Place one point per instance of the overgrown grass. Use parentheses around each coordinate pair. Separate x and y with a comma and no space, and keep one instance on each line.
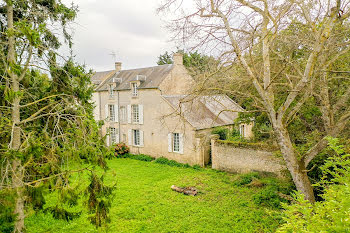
(144,202)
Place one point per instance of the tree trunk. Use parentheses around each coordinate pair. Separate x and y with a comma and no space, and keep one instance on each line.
(15,144)
(296,167)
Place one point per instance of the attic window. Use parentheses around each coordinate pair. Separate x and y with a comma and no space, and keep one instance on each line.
(134,89)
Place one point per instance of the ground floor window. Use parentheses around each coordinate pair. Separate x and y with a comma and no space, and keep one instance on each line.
(176,142)
(113,133)
(136,137)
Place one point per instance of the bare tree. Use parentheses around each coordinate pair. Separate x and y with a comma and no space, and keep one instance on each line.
(260,39)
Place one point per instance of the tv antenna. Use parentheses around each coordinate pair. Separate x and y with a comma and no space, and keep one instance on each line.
(114,56)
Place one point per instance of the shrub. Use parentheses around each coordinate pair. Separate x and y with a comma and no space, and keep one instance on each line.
(332,214)
(143,157)
(121,149)
(246,178)
(269,197)
(222,132)
(166,161)
(140,157)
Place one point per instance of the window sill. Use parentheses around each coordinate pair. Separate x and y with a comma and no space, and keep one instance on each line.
(138,146)
(176,152)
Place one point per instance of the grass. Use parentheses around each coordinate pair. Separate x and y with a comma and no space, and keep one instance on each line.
(144,202)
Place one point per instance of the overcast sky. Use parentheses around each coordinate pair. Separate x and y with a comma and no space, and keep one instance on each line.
(129,28)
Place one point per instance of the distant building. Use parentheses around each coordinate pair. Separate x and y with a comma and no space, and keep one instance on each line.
(149,110)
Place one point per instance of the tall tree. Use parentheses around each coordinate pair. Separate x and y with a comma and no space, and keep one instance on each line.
(45,122)
(282,54)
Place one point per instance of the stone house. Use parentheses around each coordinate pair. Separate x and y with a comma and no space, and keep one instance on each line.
(149,110)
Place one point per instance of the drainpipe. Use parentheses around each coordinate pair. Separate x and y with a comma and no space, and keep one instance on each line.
(118,106)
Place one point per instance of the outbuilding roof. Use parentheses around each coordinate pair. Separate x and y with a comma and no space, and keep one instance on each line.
(205,111)
(151,77)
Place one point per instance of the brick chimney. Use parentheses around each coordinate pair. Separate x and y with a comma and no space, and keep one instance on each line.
(178,59)
(118,66)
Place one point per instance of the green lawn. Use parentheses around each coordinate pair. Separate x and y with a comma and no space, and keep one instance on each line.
(144,202)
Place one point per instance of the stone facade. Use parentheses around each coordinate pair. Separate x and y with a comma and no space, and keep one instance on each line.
(229,157)
(161,128)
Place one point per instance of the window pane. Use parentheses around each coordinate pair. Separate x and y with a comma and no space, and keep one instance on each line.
(136,137)
(111,112)
(176,142)
(134,89)
(113,133)
(135,113)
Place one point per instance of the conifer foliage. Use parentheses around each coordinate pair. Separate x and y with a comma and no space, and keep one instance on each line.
(47,130)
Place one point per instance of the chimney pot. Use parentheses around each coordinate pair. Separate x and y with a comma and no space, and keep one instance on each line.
(118,66)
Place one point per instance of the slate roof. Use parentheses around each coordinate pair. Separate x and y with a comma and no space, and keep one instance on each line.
(99,77)
(206,111)
(154,76)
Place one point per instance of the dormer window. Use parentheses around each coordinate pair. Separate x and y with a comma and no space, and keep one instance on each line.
(134,89)
(111,91)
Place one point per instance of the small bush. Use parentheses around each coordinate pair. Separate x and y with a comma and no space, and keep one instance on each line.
(222,132)
(166,161)
(246,178)
(269,197)
(197,167)
(121,149)
(143,157)
(140,157)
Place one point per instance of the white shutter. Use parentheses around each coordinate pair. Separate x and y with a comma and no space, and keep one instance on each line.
(116,115)
(130,137)
(106,112)
(170,143)
(141,114)
(141,138)
(129,114)
(181,144)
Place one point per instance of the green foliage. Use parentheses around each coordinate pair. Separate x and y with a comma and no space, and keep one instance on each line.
(222,132)
(165,58)
(7,207)
(246,178)
(100,200)
(121,149)
(193,61)
(61,213)
(332,214)
(140,157)
(57,125)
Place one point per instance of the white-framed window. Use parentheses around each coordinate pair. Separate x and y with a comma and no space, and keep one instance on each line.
(175,143)
(111,112)
(135,114)
(136,137)
(113,134)
(242,130)
(122,113)
(134,89)
(111,91)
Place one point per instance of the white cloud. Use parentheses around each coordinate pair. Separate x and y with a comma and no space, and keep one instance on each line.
(131,29)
